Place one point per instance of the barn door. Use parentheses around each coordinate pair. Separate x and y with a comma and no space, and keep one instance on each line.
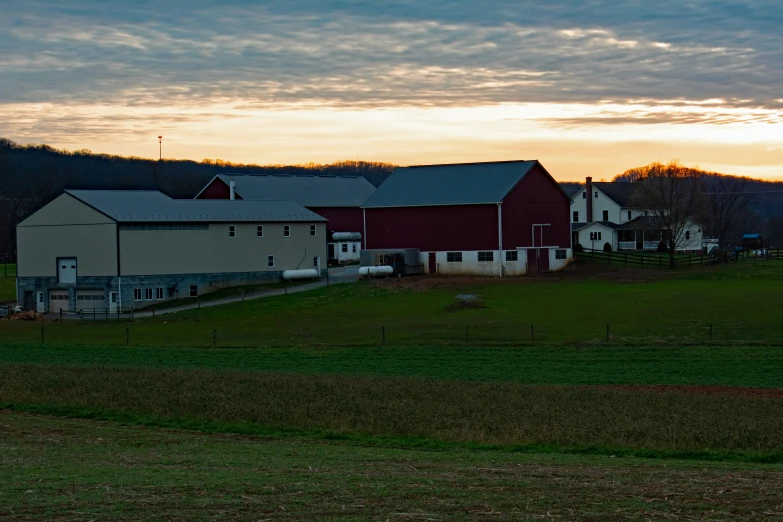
(543,260)
(112,302)
(433,264)
(532,260)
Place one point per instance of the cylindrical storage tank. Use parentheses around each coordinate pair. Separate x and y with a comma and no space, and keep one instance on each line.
(375,270)
(292,275)
(347,236)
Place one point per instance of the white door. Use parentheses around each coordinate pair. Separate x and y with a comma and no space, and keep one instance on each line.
(66,269)
(39,303)
(112,301)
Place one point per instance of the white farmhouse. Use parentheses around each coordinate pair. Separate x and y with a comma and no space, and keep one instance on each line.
(602,213)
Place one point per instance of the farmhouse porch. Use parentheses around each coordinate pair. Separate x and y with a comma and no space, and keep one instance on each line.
(639,234)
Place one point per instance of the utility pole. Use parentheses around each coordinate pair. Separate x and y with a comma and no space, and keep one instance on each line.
(160,148)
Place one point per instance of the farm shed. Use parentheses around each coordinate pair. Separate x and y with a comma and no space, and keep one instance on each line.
(125,249)
(337,198)
(496,218)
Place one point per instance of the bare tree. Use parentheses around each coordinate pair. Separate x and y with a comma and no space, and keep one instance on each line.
(727,203)
(673,195)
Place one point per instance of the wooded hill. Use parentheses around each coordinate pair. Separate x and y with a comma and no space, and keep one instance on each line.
(33,175)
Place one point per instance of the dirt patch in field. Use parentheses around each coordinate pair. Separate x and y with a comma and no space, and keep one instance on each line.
(766,393)
(576,272)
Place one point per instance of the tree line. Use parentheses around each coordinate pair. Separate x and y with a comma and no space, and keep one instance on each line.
(33,175)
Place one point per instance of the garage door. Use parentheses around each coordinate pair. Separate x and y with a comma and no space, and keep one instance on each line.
(58,301)
(66,270)
(88,299)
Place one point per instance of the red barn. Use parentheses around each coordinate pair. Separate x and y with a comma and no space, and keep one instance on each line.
(337,198)
(497,218)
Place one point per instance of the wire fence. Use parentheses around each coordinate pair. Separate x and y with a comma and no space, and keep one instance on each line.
(203,334)
(7,270)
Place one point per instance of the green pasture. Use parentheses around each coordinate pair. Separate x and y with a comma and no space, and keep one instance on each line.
(7,283)
(742,303)
(66,469)
(745,366)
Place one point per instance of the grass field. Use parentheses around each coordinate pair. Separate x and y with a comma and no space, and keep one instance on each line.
(742,302)
(7,283)
(299,411)
(53,468)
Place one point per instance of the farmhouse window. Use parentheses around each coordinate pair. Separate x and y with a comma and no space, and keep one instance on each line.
(560,254)
(159,293)
(596,194)
(286,230)
(193,291)
(454,257)
(270,261)
(354,248)
(687,234)
(584,195)
(486,257)
(312,230)
(137,294)
(576,216)
(259,230)
(629,215)
(512,255)
(148,294)
(606,215)
(232,231)
(344,247)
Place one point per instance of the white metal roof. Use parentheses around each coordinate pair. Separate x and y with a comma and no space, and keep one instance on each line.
(150,206)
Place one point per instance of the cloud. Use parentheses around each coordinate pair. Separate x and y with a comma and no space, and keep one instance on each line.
(359,54)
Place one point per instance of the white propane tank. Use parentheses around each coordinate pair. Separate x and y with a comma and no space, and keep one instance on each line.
(375,270)
(293,275)
(347,236)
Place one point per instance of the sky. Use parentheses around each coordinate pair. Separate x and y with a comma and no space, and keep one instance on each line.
(588,88)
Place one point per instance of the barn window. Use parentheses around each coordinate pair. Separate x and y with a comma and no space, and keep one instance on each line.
(286,230)
(584,195)
(232,231)
(486,257)
(512,255)
(596,194)
(454,257)
(193,291)
(148,294)
(312,230)
(159,293)
(354,248)
(344,247)
(576,216)
(606,215)
(270,261)
(687,234)
(560,254)
(137,294)
(629,215)
(259,230)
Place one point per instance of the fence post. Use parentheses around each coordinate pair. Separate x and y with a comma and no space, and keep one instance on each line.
(61,313)
(93,315)
(198,300)
(214,337)
(42,334)
(467,333)
(9,312)
(383,334)
(127,336)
